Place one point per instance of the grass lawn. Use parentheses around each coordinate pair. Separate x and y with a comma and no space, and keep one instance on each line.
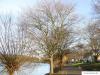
(77,64)
(88,66)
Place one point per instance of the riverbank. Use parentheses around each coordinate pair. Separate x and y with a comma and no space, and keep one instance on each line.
(69,70)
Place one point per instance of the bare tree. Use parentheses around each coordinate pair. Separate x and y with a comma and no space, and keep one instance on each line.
(52,23)
(93,34)
(96,7)
(14,46)
(93,30)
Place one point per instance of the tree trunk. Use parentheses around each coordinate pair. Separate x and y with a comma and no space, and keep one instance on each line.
(95,59)
(51,65)
(11,73)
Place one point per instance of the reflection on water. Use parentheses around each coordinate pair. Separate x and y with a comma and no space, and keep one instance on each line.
(39,69)
(42,69)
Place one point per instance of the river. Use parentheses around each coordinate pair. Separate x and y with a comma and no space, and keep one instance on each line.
(38,69)
(42,69)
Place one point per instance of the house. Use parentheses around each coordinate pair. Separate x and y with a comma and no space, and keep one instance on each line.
(98,58)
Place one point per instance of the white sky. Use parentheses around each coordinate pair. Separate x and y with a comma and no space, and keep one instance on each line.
(15,6)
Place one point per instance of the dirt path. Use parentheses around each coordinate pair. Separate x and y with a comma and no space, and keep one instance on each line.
(70,70)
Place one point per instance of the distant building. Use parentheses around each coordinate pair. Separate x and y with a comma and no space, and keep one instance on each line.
(98,58)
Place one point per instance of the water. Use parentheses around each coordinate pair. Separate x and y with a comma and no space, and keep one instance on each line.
(39,69)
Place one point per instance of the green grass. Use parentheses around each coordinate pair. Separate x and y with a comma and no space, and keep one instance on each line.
(88,66)
(77,64)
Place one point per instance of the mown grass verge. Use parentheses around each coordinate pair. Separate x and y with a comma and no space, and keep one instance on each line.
(88,66)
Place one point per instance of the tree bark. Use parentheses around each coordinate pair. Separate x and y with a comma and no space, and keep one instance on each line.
(11,73)
(95,58)
(51,65)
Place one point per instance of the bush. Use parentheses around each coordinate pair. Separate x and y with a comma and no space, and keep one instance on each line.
(91,67)
(88,66)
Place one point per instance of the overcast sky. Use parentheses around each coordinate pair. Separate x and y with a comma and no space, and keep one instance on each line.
(15,6)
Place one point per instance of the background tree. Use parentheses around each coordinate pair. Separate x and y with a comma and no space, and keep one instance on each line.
(93,35)
(93,30)
(96,8)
